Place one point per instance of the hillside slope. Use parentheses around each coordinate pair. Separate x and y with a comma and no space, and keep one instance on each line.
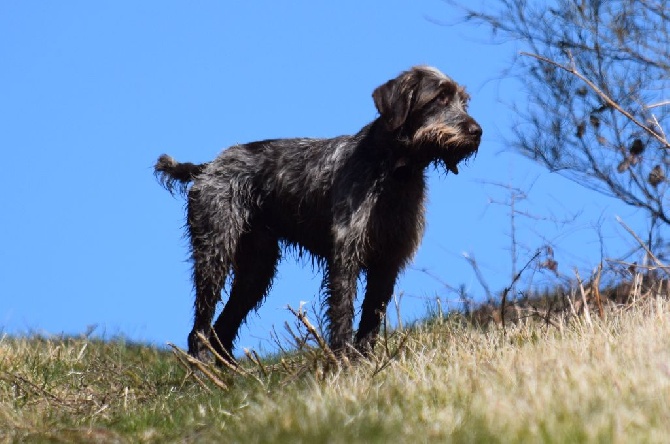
(607,380)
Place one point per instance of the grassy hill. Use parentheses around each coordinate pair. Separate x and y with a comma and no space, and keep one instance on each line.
(605,380)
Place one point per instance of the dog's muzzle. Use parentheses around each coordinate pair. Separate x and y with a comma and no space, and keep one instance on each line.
(472,136)
(474,130)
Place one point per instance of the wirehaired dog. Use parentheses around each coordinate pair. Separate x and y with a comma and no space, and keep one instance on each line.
(355,203)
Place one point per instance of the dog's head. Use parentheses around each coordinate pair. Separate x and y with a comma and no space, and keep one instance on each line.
(428,110)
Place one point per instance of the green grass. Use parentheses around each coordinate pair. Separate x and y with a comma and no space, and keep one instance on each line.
(603,381)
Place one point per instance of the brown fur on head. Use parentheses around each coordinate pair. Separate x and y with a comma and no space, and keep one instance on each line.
(429,110)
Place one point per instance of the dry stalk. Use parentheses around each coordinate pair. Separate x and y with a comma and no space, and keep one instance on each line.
(204,368)
(285,366)
(545,315)
(595,290)
(396,302)
(253,357)
(386,335)
(637,287)
(188,367)
(390,357)
(315,334)
(660,289)
(572,306)
(230,362)
(587,312)
(298,341)
(29,386)
(439,308)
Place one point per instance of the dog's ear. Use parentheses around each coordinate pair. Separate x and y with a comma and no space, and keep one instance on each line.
(393,101)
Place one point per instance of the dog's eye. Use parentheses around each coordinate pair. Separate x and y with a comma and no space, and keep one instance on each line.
(444,98)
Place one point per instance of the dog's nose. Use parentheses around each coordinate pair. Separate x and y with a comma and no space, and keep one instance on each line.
(474,129)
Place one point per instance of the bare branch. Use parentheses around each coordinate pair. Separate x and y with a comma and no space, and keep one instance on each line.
(572,70)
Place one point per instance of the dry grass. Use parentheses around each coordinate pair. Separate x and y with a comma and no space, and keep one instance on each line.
(605,381)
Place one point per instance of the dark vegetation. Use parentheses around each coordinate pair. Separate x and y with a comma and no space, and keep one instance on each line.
(594,76)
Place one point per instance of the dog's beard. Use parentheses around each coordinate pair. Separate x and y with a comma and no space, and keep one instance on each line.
(456,156)
(446,145)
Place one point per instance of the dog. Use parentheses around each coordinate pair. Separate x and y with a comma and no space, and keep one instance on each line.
(355,203)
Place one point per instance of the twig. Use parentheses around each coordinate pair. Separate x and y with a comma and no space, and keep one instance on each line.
(660,264)
(632,264)
(23,382)
(572,70)
(658,125)
(299,342)
(654,105)
(514,280)
(478,274)
(277,341)
(187,366)
(200,366)
(391,357)
(319,339)
(229,361)
(257,359)
(546,317)
(384,323)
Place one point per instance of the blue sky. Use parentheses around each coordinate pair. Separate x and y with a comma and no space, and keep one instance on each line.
(92,92)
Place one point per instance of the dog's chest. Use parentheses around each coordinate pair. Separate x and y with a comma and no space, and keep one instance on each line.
(388,221)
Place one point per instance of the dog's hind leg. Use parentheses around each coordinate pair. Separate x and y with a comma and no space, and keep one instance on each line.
(211,262)
(253,269)
(209,276)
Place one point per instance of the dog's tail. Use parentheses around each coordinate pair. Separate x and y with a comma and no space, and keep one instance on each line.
(175,176)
